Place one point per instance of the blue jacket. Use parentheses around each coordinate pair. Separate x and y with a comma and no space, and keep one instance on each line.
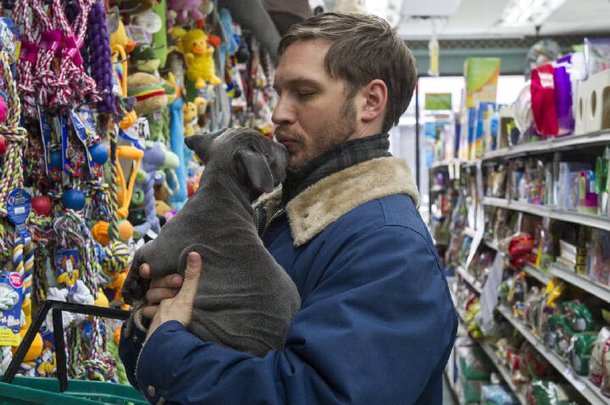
(376,324)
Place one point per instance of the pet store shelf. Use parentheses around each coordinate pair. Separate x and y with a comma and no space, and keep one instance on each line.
(586,388)
(470,232)
(535,272)
(600,291)
(542,211)
(504,372)
(469,278)
(552,145)
(489,351)
(445,163)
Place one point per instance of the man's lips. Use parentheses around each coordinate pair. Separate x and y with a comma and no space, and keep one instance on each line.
(286,141)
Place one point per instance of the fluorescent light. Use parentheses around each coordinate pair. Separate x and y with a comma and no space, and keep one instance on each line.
(528,12)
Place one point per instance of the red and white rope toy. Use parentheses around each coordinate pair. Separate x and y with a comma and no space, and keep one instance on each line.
(80,86)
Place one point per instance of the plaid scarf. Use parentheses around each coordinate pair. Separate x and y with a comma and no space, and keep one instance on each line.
(332,161)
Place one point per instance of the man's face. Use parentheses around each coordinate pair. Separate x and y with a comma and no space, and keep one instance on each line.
(313,113)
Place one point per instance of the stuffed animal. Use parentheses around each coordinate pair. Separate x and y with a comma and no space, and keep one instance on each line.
(184,11)
(189,117)
(199,59)
(118,33)
(145,60)
(148,91)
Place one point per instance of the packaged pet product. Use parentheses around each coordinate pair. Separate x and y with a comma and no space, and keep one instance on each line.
(481,75)
(580,350)
(484,113)
(597,55)
(496,395)
(10,308)
(599,256)
(543,101)
(563,95)
(597,363)
(543,392)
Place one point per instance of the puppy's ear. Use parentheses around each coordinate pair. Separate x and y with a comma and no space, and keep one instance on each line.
(200,144)
(253,166)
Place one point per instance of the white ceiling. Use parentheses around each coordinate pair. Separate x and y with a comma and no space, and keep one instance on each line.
(479,18)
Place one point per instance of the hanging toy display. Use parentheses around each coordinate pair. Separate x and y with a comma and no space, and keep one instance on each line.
(95,101)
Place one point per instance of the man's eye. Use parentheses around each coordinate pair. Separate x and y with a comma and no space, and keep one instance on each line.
(305,94)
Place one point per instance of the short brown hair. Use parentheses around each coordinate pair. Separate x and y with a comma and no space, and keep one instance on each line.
(363,48)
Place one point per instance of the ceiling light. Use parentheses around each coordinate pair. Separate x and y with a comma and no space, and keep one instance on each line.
(528,12)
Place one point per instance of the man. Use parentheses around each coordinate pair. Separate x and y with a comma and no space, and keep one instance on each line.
(377,323)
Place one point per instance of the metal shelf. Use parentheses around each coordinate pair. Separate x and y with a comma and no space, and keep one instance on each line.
(445,163)
(552,145)
(586,388)
(548,212)
(535,272)
(599,290)
(469,278)
(504,372)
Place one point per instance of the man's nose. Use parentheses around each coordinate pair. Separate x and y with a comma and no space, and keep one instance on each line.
(283,112)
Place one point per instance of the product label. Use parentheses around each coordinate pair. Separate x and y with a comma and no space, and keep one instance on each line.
(11,300)
(67,266)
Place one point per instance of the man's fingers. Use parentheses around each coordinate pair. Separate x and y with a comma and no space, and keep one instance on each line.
(149,311)
(191,278)
(169,281)
(156,295)
(144,270)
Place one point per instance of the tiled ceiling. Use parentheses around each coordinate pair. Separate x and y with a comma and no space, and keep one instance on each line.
(479,19)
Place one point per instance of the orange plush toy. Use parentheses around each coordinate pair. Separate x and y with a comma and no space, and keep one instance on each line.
(199,58)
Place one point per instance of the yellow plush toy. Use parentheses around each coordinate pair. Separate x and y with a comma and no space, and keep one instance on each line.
(199,59)
(189,116)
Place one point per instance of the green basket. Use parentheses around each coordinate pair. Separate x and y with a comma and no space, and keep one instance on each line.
(16,389)
(37,390)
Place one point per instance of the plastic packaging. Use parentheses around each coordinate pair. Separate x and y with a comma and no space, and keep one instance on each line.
(543,100)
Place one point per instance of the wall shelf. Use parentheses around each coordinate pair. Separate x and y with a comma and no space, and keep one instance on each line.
(551,145)
(548,212)
(586,388)
(600,291)
(469,278)
(504,372)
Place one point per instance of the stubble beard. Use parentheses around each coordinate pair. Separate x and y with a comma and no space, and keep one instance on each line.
(331,134)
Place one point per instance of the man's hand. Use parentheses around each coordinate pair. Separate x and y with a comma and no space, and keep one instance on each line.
(180,307)
(160,289)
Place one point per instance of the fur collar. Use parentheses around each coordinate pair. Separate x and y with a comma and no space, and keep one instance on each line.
(318,206)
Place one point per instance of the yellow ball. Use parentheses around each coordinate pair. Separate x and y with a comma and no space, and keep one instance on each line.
(35,349)
(101,300)
(125,231)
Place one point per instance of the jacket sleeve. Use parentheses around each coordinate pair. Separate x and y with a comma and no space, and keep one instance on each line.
(377,327)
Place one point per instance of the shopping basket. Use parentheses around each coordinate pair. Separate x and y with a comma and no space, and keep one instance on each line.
(36,390)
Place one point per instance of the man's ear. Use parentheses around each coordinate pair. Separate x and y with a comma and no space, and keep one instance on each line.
(375,95)
(253,166)
(200,144)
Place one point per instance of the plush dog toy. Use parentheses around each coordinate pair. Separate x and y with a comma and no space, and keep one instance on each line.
(245,299)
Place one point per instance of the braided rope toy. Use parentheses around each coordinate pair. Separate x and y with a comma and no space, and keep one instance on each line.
(100,59)
(12,173)
(50,37)
(71,71)
(27,57)
(72,230)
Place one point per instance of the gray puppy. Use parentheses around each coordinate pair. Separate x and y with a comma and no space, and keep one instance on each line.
(245,299)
